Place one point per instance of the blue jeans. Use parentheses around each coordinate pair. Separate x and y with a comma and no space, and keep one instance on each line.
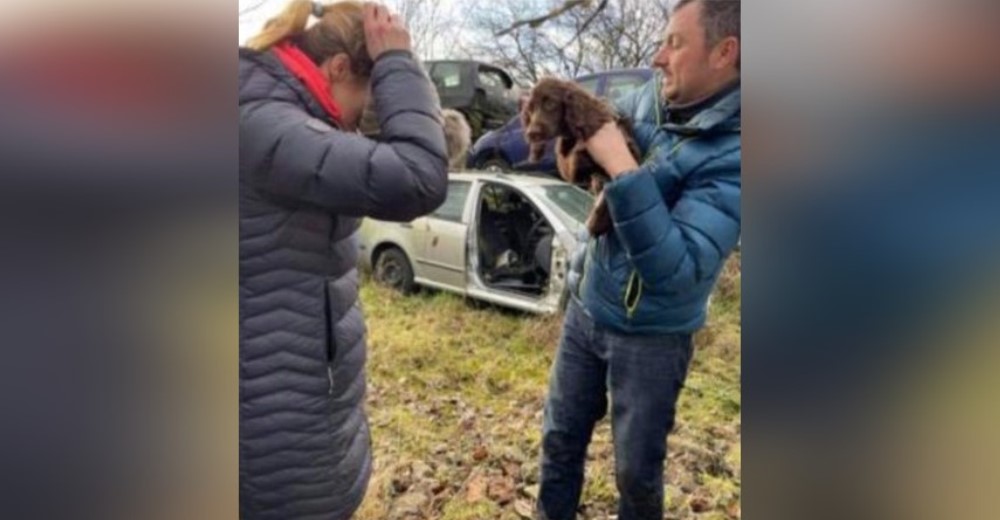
(644,376)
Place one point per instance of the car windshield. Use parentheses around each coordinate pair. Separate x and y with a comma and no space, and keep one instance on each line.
(573,204)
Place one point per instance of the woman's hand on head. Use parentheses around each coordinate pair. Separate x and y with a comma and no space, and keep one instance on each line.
(384,31)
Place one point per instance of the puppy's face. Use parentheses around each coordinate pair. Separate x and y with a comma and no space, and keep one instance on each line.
(543,114)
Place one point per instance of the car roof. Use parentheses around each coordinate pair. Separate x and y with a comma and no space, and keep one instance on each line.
(465,62)
(524,179)
(647,72)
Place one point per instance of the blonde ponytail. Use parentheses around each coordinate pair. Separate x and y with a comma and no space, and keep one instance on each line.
(340,29)
(289,23)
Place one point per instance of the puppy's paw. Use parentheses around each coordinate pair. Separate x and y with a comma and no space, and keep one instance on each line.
(599,219)
(567,167)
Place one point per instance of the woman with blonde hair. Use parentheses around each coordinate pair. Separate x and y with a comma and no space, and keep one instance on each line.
(307,177)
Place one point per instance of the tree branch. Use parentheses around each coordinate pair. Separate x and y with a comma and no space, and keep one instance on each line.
(583,28)
(534,23)
(253,7)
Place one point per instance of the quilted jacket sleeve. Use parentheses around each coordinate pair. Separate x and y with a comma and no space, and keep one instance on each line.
(675,248)
(399,178)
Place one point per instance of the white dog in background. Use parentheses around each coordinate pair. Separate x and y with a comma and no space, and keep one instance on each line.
(458,137)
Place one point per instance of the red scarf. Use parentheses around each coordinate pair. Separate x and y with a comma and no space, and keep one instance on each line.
(303,68)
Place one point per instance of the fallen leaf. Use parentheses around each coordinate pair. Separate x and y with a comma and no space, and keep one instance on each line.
(524,509)
(408,505)
(468,421)
(480,453)
(475,489)
(698,505)
(501,490)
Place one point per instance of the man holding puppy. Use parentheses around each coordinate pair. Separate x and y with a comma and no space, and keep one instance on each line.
(639,292)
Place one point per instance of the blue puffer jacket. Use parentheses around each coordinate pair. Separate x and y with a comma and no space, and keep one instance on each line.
(304,448)
(676,220)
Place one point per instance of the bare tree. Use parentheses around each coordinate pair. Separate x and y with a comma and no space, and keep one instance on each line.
(626,34)
(248,7)
(427,20)
(555,12)
(254,13)
(527,53)
(589,37)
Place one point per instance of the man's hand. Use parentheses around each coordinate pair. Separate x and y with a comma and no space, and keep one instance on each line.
(384,31)
(610,150)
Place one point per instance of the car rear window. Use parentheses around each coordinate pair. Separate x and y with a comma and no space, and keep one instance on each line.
(492,79)
(620,85)
(590,85)
(447,75)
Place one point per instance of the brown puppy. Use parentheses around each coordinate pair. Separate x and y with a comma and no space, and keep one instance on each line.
(566,112)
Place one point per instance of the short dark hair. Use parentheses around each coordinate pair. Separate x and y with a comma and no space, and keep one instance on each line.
(721,18)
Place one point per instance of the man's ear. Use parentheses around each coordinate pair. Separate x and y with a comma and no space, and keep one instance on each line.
(727,53)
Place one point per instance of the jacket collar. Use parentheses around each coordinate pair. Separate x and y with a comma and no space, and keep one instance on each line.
(723,117)
(263,77)
(304,70)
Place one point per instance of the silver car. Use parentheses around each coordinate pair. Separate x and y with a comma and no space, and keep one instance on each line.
(500,238)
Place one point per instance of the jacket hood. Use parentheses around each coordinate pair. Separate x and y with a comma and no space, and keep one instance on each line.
(723,116)
(262,77)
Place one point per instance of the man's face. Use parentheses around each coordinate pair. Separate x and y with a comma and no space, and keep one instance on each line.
(691,69)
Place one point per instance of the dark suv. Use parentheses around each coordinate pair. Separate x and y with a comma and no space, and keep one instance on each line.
(486,95)
(505,149)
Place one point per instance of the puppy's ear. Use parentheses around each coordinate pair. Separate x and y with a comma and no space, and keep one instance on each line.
(569,97)
(526,114)
(585,114)
(573,112)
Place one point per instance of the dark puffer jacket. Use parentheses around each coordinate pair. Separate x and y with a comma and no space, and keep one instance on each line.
(304,440)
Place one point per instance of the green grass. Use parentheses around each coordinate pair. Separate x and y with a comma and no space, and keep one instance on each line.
(455,400)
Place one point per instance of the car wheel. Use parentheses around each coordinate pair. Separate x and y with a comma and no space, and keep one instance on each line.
(495,164)
(393,269)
